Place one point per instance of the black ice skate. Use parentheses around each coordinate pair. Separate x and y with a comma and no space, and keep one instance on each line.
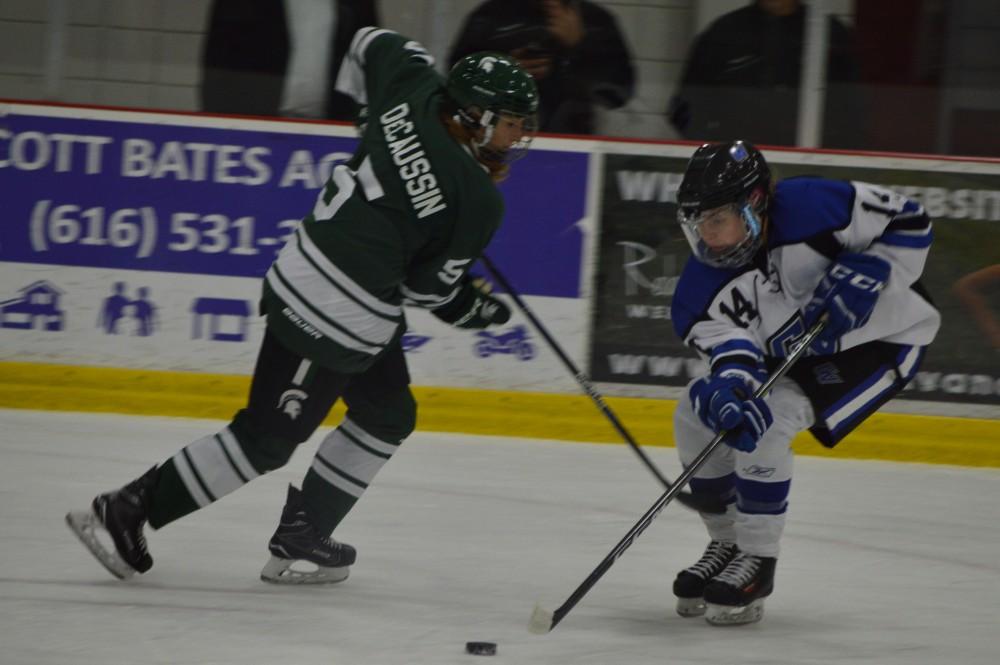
(689,586)
(122,514)
(736,595)
(296,540)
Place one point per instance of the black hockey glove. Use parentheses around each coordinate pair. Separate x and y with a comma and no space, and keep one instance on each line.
(848,291)
(473,306)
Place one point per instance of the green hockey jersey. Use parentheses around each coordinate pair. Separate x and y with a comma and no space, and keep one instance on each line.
(400,223)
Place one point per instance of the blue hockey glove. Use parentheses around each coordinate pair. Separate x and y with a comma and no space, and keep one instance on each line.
(711,395)
(754,420)
(848,292)
(724,403)
(473,306)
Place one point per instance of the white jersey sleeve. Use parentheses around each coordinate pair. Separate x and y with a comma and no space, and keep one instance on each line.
(892,227)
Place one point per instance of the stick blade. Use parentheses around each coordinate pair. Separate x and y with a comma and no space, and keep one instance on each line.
(541,620)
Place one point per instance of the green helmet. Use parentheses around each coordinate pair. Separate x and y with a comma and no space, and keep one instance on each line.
(485,87)
(492,82)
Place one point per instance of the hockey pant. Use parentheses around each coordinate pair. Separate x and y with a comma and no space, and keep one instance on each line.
(289,398)
(849,386)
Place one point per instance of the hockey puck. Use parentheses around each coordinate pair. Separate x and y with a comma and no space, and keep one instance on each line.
(481,648)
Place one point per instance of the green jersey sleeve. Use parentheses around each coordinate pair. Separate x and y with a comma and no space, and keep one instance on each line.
(381,63)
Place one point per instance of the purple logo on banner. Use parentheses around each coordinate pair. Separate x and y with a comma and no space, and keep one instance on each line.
(511,342)
(141,311)
(212,315)
(412,342)
(36,307)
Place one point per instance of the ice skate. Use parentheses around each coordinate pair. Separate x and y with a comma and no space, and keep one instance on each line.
(122,514)
(300,554)
(689,585)
(736,595)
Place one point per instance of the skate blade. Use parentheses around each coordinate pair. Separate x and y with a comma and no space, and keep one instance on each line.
(691,607)
(281,571)
(85,524)
(730,615)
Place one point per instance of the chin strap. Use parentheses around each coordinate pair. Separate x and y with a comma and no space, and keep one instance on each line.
(484,122)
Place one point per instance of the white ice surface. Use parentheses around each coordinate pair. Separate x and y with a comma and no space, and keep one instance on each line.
(460,536)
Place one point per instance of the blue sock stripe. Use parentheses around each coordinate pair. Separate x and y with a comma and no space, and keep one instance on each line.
(724,488)
(751,507)
(759,498)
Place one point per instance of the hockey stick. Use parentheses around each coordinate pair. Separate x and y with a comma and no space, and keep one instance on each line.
(699,503)
(543,620)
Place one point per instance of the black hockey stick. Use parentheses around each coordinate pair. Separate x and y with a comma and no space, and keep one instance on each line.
(543,620)
(695,502)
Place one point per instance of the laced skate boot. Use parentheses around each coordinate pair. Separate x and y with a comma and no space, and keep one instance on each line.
(736,595)
(122,514)
(297,540)
(689,586)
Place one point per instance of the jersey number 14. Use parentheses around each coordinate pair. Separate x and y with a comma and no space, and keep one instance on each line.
(741,312)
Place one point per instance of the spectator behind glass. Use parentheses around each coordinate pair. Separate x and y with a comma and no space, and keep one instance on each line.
(573,49)
(280,57)
(743,73)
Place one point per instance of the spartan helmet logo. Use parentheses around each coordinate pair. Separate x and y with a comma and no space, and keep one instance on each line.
(290,402)
(486,64)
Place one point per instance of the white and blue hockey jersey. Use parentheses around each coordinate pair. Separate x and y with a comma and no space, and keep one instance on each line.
(746,315)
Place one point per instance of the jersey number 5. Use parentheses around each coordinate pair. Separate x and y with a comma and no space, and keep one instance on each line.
(452,270)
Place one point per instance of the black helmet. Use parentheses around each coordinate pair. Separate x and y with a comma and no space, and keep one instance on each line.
(725,174)
(486,86)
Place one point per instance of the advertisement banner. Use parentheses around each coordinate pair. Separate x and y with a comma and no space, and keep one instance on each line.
(641,252)
(140,240)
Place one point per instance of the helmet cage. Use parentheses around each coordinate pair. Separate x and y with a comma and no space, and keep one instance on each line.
(729,257)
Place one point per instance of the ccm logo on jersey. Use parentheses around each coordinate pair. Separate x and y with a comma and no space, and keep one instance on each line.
(861,282)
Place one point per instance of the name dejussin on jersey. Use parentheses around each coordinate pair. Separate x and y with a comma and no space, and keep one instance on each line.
(414,167)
